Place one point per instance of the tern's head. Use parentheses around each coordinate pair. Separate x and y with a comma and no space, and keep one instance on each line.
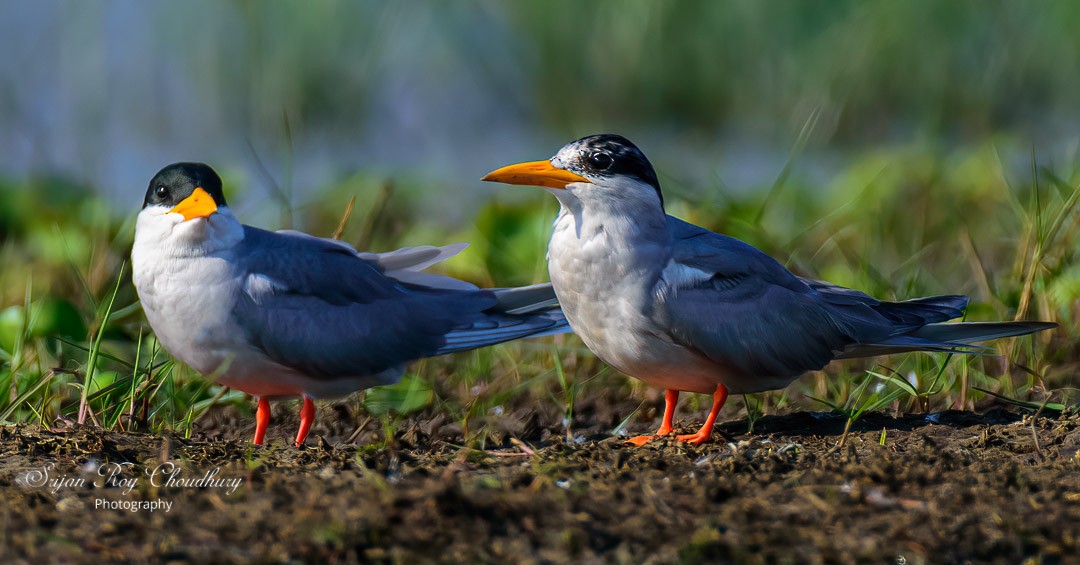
(603,168)
(185,208)
(192,190)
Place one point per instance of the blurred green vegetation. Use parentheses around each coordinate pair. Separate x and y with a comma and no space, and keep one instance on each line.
(434,90)
(879,68)
(901,148)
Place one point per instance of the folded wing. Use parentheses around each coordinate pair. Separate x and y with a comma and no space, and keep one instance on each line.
(321,308)
(743,310)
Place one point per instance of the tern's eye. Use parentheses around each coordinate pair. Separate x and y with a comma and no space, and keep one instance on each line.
(160,192)
(600,160)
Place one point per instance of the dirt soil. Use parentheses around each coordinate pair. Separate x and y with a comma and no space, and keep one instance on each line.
(952,487)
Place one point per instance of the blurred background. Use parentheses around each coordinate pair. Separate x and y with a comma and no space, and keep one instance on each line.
(300,95)
(903,148)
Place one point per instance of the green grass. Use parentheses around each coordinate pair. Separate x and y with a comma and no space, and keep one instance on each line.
(897,223)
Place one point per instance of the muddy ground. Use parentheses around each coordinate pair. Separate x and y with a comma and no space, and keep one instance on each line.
(953,487)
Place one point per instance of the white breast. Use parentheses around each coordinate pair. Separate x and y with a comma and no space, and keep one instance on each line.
(188,284)
(607,279)
(603,283)
(188,301)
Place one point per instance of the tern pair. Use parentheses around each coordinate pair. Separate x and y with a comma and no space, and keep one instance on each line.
(286,314)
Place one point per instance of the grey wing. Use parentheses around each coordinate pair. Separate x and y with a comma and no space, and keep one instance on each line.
(404,265)
(740,308)
(318,307)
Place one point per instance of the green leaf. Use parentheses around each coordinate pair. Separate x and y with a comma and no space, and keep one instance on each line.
(1033,406)
(408,395)
(11,326)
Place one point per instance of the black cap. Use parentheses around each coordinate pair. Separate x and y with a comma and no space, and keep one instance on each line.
(177,181)
(608,154)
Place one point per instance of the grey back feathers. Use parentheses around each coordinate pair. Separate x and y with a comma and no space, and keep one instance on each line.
(748,313)
(320,308)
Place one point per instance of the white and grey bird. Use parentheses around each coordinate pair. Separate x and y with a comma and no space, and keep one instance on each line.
(286,314)
(686,309)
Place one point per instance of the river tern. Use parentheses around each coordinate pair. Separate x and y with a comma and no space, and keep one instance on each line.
(686,309)
(286,314)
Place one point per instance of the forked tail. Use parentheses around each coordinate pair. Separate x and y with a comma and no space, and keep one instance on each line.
(528,311)
(958,337)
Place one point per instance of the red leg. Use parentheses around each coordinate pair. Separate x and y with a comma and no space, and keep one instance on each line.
(719,397)
(671,398)
(307,416)
(262,420)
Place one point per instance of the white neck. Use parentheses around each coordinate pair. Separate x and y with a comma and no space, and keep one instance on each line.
(159,233)
(625,214)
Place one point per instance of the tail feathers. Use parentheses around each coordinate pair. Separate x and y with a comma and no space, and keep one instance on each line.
(559,326)
(526,299)
(405,265)
(911,314)
(905,316)
(947,338)
(906,344)
(413,258)
(499,328)
(429,281)
(527,311)
(404,259)
(971,332)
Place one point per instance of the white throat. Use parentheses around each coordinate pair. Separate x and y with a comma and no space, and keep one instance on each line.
(160,233)
(625,211)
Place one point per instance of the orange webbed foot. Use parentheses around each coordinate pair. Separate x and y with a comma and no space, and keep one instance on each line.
(671,397)
(705,432)
(696,439)
(642,440)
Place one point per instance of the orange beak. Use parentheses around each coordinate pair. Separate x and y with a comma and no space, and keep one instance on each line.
(199,205)
(535,173)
